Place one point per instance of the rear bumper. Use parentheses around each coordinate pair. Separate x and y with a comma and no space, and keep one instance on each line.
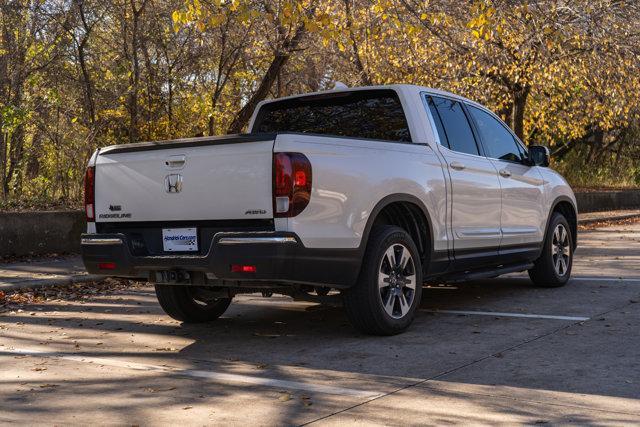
(278,257)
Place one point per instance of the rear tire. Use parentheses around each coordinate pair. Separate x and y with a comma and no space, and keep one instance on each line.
(386,296)
(180,303)
(553,268)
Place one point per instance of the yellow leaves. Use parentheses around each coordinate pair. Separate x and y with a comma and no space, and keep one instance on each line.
(377,8)
(312,26)
(218,18)
(483,24)
(287,11)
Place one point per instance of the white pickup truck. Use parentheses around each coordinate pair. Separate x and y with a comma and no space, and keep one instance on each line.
(362,193)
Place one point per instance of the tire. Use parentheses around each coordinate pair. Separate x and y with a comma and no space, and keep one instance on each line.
(553,268)
(378,310)
(180,303)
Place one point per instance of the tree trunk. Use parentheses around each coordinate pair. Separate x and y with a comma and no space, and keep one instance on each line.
(595,146)
(520,96)
(3,165)
(364,77)
(134,79)
(280,59)
(86,78)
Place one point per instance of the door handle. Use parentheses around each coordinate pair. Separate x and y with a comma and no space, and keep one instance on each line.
(175,162)
(457,166)
(505,173)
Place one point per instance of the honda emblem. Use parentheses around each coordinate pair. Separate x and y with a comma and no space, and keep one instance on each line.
(173,183)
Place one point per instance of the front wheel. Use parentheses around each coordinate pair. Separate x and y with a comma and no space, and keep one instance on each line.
(186,304)
(389,287)
(553,268)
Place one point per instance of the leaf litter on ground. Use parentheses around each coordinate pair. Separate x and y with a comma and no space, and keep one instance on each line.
(20,299)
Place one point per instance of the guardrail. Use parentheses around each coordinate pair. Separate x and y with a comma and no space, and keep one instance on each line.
(600,201)
(36,233)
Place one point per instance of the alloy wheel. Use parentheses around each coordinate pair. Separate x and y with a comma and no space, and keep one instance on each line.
(560,250)
(397,281)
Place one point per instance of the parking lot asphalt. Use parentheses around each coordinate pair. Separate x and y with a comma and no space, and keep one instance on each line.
(495,351)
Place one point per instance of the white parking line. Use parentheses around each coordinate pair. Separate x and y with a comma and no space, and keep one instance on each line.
(499,314)
(218,377)
(608,279)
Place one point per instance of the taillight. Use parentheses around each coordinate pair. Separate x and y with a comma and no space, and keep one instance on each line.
(89,193)
(238,268)
(107,266)
(291,184)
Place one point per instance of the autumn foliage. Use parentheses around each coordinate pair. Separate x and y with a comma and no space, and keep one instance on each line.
(80,74)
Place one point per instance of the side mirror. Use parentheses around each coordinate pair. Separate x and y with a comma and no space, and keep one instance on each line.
(539,155)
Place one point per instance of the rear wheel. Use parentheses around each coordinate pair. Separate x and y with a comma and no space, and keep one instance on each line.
(389,287)
(553,268)
(186,304)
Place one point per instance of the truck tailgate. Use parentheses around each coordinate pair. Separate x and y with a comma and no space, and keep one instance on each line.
(205,179)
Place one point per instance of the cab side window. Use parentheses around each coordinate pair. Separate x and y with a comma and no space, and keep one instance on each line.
(452,122)
(498,141)
(436,119)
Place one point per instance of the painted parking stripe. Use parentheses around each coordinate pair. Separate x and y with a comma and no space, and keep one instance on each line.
(500,314)
(608,279)
(218,377)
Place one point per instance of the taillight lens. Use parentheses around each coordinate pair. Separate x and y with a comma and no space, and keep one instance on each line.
(291,184)
(238,268)
(107,266)
(89,193)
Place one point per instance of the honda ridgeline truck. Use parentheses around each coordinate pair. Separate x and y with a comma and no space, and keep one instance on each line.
(362,194)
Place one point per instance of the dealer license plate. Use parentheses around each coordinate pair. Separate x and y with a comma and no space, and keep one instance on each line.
(180,239)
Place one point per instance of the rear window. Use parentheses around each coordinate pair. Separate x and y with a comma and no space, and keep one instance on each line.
(375,114)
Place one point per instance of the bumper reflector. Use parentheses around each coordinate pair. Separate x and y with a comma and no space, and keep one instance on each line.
(107,266)
(237,268)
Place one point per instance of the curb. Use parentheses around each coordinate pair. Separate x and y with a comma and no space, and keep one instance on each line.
(608,218)
(58,281)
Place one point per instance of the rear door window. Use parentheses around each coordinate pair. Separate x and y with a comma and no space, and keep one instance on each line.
(370,114)
(436,119)
(456,128)
(498,141)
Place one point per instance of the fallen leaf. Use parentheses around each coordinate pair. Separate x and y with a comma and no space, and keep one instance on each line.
(284,397)
(158,390)
(259,334)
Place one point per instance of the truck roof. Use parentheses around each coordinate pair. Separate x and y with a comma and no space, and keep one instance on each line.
(403,88)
